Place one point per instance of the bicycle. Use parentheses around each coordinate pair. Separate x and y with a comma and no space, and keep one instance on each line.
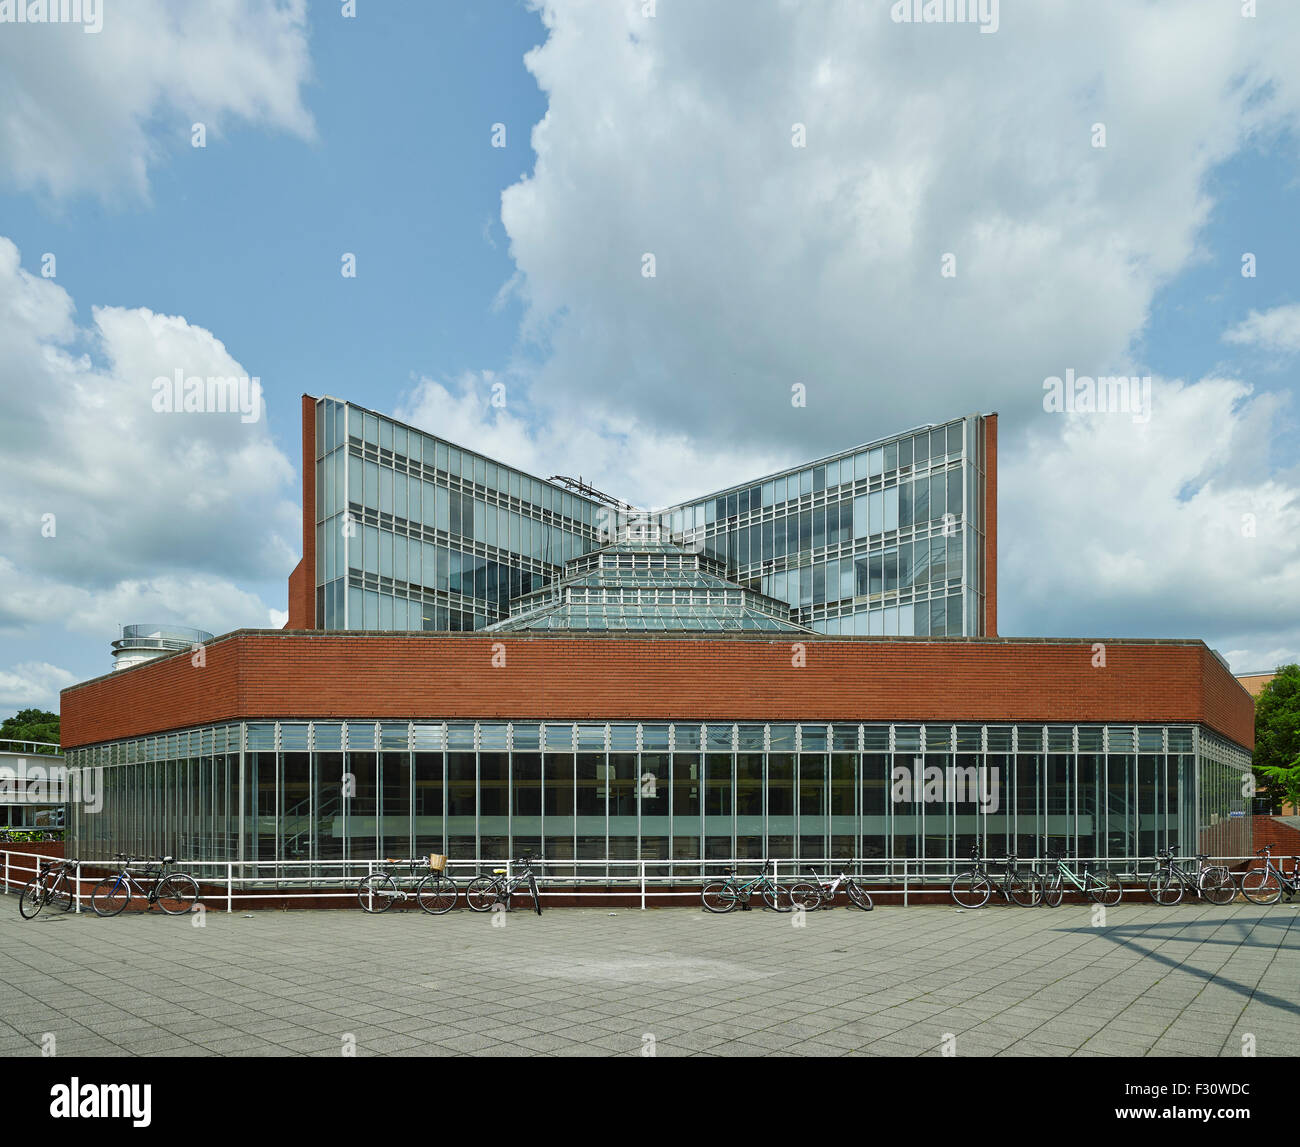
(483,892)
(51,882)
(1170,881)
(725,895)
(174,893)
(973,887)
(436,893)
(1101,887)
(1265,885)
(822,893)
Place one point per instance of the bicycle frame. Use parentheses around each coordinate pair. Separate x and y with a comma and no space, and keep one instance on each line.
(762,882)
(1291,884)
(1191,880)
(134,883)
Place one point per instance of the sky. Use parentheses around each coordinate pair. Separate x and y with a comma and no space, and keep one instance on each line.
(911,220)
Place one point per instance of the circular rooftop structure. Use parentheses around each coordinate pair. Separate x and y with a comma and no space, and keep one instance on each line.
(141,643)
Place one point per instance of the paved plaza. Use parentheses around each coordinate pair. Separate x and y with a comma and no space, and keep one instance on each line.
(1186,981)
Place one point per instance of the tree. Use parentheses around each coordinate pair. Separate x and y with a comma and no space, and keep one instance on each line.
(1277,738)
(31,725)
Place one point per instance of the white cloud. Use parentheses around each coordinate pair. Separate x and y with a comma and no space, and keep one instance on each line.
(613,452)
(1277,329)
(1174,527)
(821,265)
(114,512)
(33,684)
(93,112)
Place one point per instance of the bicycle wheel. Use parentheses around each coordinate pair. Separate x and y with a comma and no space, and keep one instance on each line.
(437,894)
(537,898)
(177,893)
(481,893)
(1025,890)
(806,896)
(1105,888)
(1217,886)
(718,897)
(1261,886)
(377,892)
(110,896)
(1053,891)
(1164,887)
(32,899)
(777,898)
(859,896)
(971,889)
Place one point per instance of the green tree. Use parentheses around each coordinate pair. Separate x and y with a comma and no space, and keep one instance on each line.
(31,725)
(1277,738)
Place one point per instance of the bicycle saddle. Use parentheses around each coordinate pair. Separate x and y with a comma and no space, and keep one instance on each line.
(168,859)
(498,871)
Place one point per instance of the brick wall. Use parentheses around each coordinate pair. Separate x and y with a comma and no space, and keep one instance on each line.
(269,674)
(1284,838)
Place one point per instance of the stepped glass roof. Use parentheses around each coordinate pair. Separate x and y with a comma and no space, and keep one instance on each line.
(642,583)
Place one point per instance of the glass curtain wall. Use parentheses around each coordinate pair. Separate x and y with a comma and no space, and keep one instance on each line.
(620,792)
(413,533)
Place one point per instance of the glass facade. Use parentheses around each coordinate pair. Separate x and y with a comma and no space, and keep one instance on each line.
(882,539)
(414,533)
(361,789)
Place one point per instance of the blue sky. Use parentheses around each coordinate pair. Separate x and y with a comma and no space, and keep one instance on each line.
(670,133)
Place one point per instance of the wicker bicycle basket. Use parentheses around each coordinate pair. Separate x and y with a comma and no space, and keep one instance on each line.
(437,862)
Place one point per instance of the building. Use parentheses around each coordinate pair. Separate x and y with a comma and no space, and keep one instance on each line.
(481,663)
(1255,683)
(33,794)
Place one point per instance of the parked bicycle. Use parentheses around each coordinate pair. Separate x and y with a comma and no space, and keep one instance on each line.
(436,892)
(1099,885)
(822,892)
(1265,885)
(726,895)
(500,888)
(174,892)
(973,887)
(55,882)
(1170,881)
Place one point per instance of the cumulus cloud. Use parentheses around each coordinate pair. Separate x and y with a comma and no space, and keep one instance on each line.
(1277,329)
(614,452)
(673,136)
(94,112)
(114,511)
(777,264)
(1172,527)
(33,684)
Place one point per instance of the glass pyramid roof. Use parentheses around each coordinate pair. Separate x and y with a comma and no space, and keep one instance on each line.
(641,583)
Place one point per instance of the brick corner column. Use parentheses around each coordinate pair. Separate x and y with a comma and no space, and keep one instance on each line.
(302,583)
(990,525)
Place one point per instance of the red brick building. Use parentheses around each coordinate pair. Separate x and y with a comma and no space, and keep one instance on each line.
(677,685)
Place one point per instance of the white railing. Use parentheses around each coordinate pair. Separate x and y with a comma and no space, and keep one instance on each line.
(225,882)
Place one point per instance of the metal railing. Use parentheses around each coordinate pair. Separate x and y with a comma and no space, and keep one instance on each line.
(232,883)
(43,748)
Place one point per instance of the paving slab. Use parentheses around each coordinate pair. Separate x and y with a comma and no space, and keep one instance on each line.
(1191,980)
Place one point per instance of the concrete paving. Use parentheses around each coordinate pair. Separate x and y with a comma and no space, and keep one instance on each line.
(1194,980)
